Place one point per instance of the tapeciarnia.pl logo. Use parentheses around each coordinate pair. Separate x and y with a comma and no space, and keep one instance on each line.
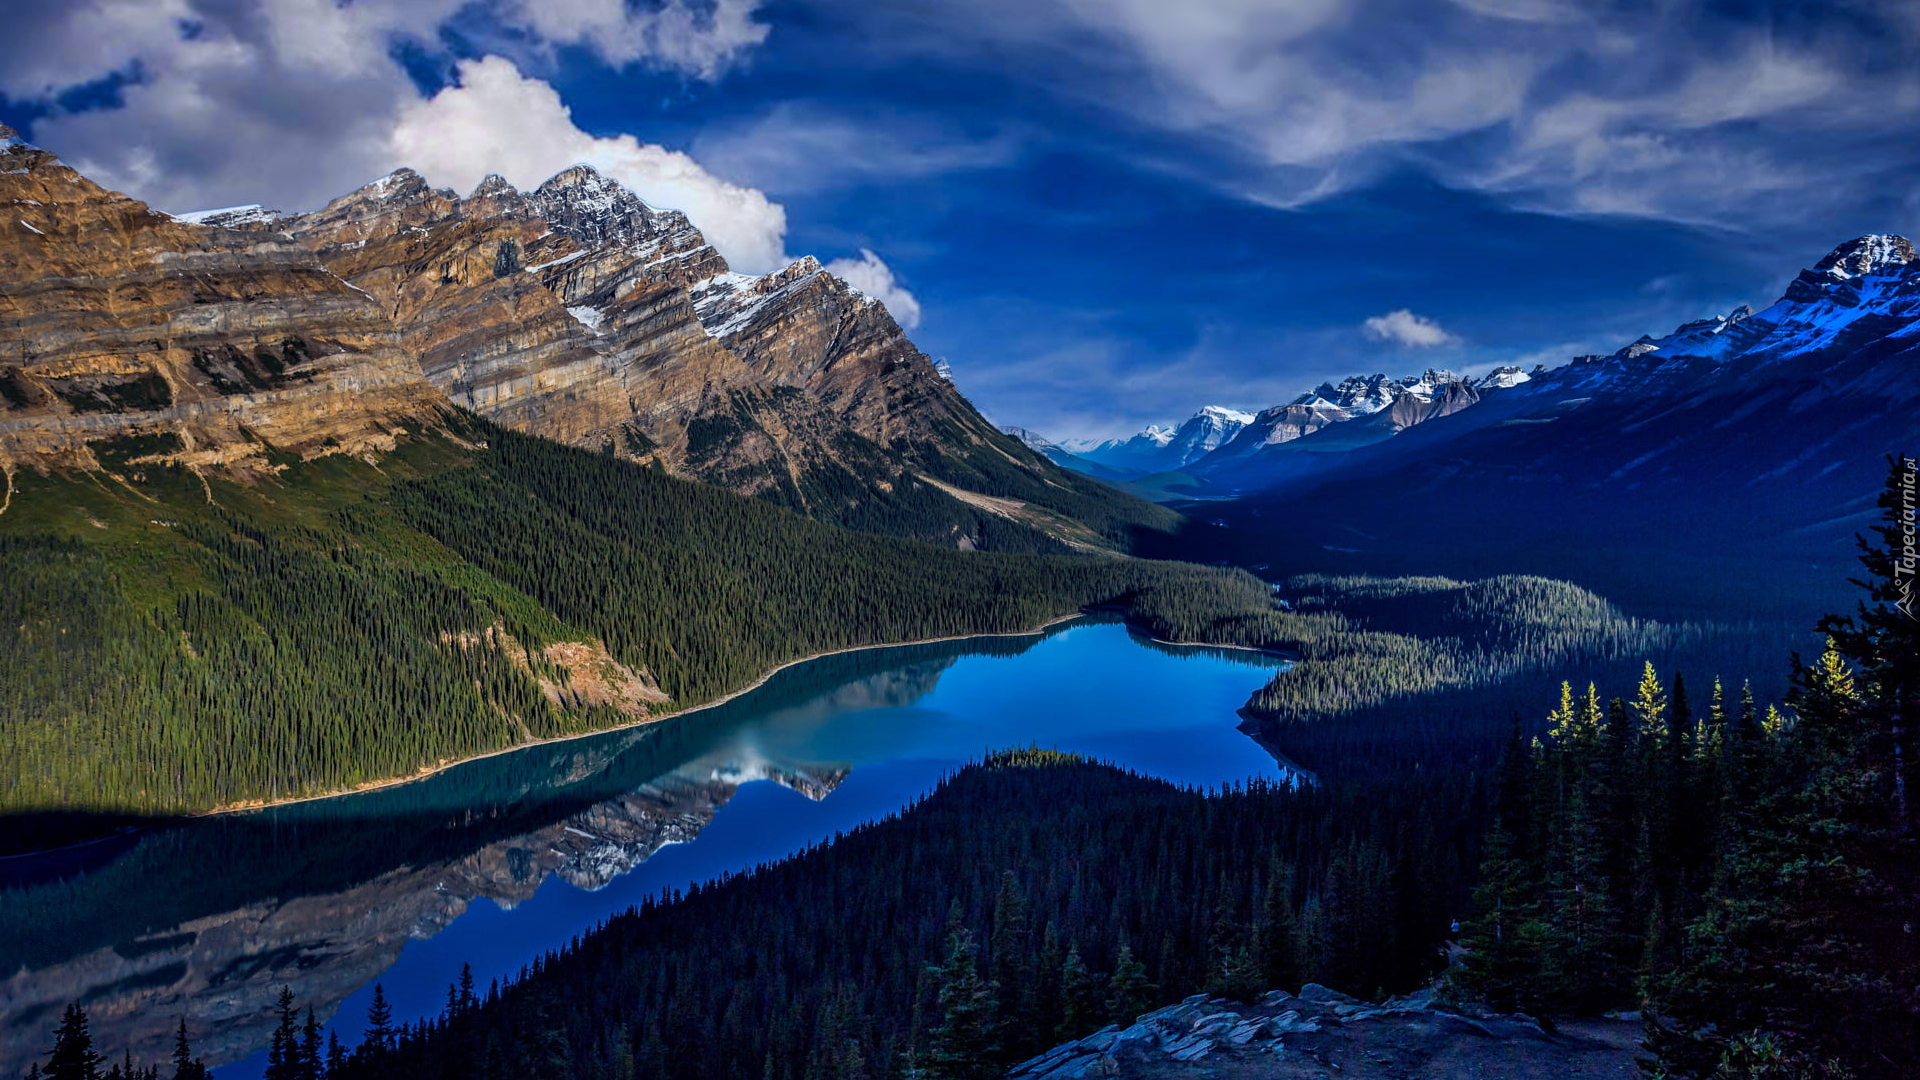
(1903,564)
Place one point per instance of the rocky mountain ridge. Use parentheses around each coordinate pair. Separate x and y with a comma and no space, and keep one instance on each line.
(576,311)
(1756,439)
(1220,442)
(1840,333)
(203,345)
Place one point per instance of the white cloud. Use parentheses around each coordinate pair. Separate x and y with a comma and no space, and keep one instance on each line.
(1403,327)
(875,278)
(500,121)
(292,102)
(699,40)
(1674,111)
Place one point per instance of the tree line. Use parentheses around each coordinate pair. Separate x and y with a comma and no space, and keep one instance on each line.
(1030,898)
(1746,875)
(175,645)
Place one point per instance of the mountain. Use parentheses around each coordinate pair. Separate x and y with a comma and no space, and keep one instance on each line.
(1163,449)
(1749,436)
(581,313)
(1367,409)
(576,312)
(204,345)
(1063,457)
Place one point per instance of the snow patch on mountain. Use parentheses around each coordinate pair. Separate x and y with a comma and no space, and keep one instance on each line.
(231,217)
(1164,449)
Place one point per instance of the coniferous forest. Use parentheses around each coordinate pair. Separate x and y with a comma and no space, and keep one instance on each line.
(183,643)
(1742,871)
(359,623)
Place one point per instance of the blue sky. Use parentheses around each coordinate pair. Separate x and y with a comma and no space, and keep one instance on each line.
(1103,213)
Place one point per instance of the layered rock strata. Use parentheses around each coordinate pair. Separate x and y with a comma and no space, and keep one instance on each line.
(207,344)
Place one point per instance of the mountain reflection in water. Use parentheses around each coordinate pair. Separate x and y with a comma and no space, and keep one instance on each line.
(208,919)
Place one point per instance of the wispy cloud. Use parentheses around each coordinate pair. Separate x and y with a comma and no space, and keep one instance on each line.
(796,147)
(1683,112)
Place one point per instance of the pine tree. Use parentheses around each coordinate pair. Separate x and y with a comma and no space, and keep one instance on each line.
(1011,943)
(1129,992)
(1078,1015)
(185,1065)
(283,1052)
(336,1056)
(311,1064)
(468,1002)
(379,1035)
(963,1045)
(1279,932)
(72,1057)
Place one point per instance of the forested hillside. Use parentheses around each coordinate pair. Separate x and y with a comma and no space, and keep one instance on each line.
(1748,874)
(1429,671)
(1028,898)
(1745,875)
(183,642)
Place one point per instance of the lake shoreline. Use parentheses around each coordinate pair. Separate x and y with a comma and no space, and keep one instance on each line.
(423,774)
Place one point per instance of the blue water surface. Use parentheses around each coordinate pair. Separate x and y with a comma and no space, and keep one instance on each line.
(819,749)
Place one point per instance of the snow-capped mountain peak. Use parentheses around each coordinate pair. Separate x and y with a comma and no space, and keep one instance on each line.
(1225,415)
(1162,449)
(1363,395)
(1876,254)
(1500,378)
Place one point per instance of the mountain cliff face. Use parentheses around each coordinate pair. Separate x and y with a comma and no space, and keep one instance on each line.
(208,345)
(575,311)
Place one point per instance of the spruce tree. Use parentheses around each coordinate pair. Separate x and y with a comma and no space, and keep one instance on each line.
(1078,1014)
(185,1065)
(1279,933)
(72,1057)
(1129,991)
(336,1056)
(311,1064)
(379,1035)
(963,1046)
(283,1052)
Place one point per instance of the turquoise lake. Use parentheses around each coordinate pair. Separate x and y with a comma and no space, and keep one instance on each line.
(496,861)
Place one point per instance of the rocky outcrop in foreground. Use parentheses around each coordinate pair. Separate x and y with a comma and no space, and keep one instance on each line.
(1323,1033)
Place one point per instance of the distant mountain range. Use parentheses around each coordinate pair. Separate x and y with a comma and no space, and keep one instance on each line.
(1781,413)
(1736,455)
(1162,449)
(1223,442)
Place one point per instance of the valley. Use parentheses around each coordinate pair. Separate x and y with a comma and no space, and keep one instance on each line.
(418,590)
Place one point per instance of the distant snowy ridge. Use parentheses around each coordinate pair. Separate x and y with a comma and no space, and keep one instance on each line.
(1165,449)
